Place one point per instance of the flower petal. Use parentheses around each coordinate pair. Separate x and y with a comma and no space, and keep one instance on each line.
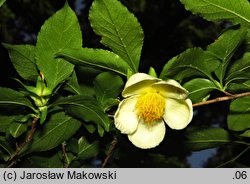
(171,89)
(178,113)
(125,118)
(148,136)
(137,83)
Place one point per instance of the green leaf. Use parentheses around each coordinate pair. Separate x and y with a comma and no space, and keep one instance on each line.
(1,2)
(72,85)
(85,108)
(5,144)
(192,62)
(239,87)
(108,103)
(90,128)
(10,97)
(119,30)
(246,134)
(3,156)
(59,32)
(24,118)
(5,122)
(68,158)
(240,69)
(16,129)
(86,83)
(72,146)
(236,11)
(15,124)
(239,114)
(96,58)
(225,46)
(43,114)
(47,161)
(86,149)
(198,139)
(247,40)
(100,131)
(23,59)
(199,89)
(107,87)
(57,129)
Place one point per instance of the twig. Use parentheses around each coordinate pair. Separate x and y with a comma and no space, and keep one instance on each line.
(64,155)
(12,160)
(235,158)
(110,152)
(220,99)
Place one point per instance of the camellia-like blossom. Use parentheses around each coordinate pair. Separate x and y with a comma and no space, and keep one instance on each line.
(149,103)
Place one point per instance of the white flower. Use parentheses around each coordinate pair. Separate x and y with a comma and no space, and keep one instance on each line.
(148,103)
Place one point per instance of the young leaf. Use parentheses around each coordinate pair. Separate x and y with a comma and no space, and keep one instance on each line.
(246,134)
(247,40)
(16,129)
(59,32)
(199,89)
(85,108)
(57,129)
(5,144)
(239,87)
(236,11)
(45,161)
(107,87)
(240,69)
(1,2)
(119,30)
(5,122)
(96,58)
(72,85)
(206,138)
(192,62)
(90,127)
(72,146)
(224,48)
(23,59)
(43,114)
(239,115)
(86,149)
(100,131)
(10,97)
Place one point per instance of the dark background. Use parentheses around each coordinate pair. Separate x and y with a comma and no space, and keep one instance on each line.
(169,29)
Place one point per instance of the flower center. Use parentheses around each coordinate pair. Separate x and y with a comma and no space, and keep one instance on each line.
(150,106)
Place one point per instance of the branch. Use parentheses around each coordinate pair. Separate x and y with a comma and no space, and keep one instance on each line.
(12,160)
(220,99)
(110,152)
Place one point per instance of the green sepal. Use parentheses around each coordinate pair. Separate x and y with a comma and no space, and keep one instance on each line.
(152,72)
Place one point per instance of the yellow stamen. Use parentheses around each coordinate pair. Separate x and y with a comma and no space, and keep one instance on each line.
(150,106)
